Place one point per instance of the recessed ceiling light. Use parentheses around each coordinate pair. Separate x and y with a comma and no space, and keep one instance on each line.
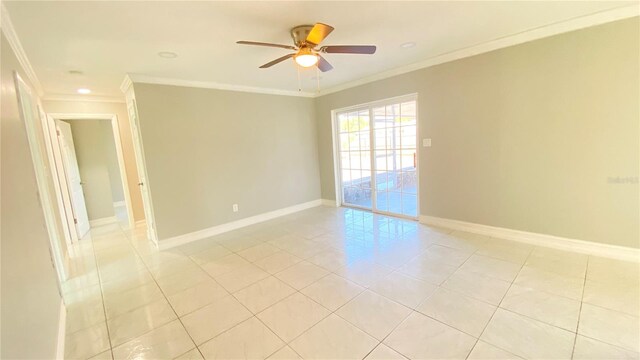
(409,44)
(167,54)
(84,91)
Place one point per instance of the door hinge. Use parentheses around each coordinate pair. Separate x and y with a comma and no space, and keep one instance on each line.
(75,221)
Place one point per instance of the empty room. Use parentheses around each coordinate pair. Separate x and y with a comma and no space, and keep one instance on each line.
(320,180)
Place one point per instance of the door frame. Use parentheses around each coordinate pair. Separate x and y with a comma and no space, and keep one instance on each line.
(55,149)
(40,169)
(337,166)
(145,190)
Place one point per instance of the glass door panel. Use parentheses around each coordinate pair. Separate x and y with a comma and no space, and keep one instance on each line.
(381,176)
(355,157)
(395,136)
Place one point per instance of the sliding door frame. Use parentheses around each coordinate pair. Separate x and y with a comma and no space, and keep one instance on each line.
(337,162)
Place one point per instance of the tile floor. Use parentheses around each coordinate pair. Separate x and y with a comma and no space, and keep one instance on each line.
(332,283)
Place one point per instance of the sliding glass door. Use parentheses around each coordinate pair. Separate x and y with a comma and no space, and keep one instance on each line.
(382,177)
(396,159)
(355,157)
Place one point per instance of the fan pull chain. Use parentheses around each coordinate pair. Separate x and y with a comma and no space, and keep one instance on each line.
(298,70)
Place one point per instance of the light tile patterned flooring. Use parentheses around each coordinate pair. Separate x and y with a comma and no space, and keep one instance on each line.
(332,283)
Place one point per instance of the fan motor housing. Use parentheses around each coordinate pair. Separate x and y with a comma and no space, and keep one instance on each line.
(300,33)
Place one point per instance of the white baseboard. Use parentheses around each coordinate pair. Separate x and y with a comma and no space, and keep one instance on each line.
(119,203)
(62,326)
(327,202)
(550,241)
(103,221)
(219,229)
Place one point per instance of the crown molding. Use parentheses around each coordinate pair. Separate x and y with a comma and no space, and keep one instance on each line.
(10,32)
(83,98)
(126,84)
(499,43)
(145,79)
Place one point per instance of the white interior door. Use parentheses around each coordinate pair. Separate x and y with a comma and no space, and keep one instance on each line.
(72,173)
(142,174)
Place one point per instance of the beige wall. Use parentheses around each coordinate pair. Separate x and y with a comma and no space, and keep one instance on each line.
(98,164)
(120,109)
(30,296)
(526,137)
(206,150)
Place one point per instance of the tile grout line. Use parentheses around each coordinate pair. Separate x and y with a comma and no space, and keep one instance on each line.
(239,255)
(368,288)
(153,276)
(329,272)
(584,284)
(104,306)
(396,270)
(498,306)
(286,344)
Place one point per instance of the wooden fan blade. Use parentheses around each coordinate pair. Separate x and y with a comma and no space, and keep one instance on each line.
(266,44)
(349,49)
(318,33)
(323,64)
(278,60)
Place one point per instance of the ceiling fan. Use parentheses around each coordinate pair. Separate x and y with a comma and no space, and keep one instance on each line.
(306,39)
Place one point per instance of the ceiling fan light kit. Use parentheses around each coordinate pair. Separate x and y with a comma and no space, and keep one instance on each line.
(306,39)
(306,58)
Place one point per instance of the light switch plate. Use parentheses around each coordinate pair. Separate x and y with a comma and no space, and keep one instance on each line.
(426,142)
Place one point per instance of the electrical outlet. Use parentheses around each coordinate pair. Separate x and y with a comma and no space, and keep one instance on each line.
(235,207)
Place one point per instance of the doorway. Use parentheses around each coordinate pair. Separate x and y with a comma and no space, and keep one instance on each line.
(376,156)
(92,177)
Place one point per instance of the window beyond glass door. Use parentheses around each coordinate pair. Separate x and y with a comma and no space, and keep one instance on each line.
(395,157)
(355,157)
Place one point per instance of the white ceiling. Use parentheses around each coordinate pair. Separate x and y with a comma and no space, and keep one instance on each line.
(106,40)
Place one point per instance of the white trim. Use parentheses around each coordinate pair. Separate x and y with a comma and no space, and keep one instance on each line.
(40,170)
(62,326)
(495,44)
(499,43)
(137,78)
(333,203)
(381,102)
(70,235)
(219,229)
(119,203)
(126,84)
(337,166)
(544,31)
(83,98)
(10,32)
(550,241)
(143,180)
(103,221)
(52,117)
(115,125)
